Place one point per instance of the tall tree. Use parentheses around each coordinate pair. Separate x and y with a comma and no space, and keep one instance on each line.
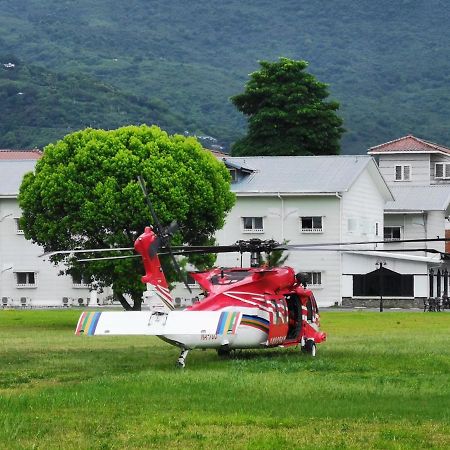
(84,194)
(287,113)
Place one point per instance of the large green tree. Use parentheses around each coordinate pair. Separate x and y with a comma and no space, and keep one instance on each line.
(84,194)
(287,113)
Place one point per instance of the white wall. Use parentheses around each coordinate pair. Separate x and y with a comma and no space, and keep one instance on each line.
(18,254)
(438,158)
(282,221)
(362,208)
(420,168)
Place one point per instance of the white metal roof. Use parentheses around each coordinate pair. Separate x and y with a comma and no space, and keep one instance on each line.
(304,174)
(419,198)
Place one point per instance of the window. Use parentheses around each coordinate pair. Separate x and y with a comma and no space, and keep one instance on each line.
(191,282)
(311,224)
(234,175)
(314,278)
(25,279)
(442,170)
(392,233)
(402,173)
(253,224)
(80,281)
(377,228)
(19,229)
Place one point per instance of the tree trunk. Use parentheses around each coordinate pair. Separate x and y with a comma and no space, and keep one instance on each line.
(137,302)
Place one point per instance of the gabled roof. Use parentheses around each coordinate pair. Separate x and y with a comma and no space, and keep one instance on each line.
(304,174)
(419,198)
(20,155)
(408,144)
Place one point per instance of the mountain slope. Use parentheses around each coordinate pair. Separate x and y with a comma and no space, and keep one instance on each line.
(386,62)
(38,106)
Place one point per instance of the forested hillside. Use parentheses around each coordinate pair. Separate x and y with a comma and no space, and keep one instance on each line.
(386,62)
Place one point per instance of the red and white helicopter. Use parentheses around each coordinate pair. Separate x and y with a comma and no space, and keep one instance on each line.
(242,308)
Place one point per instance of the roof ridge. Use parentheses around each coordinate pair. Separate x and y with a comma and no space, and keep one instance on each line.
(424,142)
(392,141)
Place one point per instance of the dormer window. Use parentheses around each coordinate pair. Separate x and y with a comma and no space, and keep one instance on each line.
(403,173)
(442,170)
(234,175)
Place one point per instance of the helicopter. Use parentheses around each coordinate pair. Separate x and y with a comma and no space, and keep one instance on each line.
(257,307)
(243,308)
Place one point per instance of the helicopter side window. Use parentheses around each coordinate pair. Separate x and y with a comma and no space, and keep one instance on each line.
(309,310)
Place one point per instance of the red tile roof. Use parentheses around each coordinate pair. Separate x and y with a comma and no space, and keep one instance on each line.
(408,144)
(20,155)
(217,153)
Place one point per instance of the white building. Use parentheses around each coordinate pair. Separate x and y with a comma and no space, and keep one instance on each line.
(302,200)
(25,279)
(418,174)
(319,200)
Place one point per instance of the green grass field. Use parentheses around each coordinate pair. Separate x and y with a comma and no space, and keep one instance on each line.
(381,381)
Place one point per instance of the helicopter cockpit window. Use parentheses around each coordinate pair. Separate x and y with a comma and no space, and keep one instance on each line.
(229,277)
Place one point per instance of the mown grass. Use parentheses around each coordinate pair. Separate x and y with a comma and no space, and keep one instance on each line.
(381,381)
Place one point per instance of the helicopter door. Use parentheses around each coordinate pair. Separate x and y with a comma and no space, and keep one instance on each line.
(279,321)
(294,314)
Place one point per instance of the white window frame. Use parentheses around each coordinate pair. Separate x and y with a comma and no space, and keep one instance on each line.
(316,277)
(402,172)
(193,284)
(392,227)
(81,285)
(253,229)
(445,170)
(17,224)
(26,285)
(312,229)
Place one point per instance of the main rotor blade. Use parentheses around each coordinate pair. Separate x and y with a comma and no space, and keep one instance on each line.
(157,223)
(399,241)
(89,250)
(206,249)
(107,258)
(231,249)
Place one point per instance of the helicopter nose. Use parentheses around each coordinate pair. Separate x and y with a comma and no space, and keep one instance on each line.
(320,337)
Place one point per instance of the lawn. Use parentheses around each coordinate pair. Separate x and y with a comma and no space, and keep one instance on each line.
(382,380)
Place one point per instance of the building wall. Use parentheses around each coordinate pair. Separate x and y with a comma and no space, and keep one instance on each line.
(18,254)
(420,167)
(282,222)
(362,209)
(438,158)
(362,264)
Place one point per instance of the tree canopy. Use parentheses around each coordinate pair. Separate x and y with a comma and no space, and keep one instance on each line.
(84,193)
(287,113)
